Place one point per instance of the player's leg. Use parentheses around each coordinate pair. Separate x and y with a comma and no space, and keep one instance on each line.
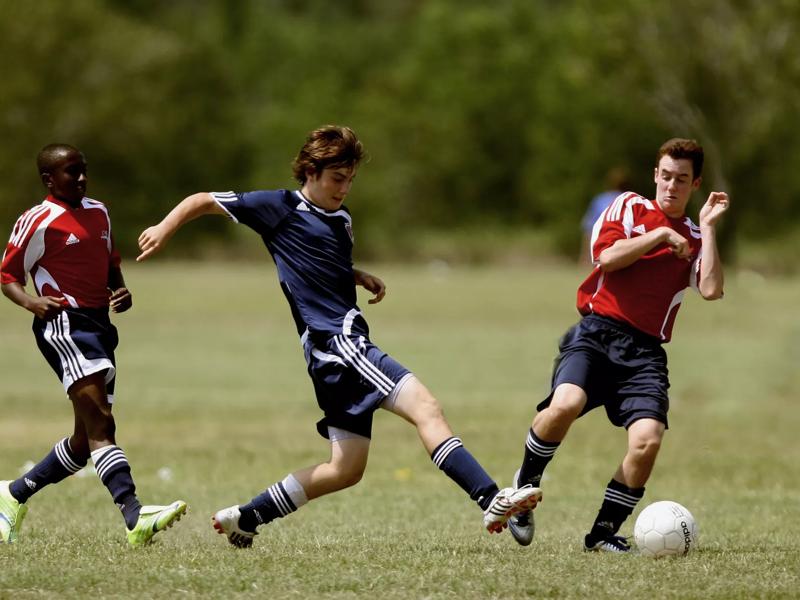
(344,468)
(418,406)
(93,410)
(626,488)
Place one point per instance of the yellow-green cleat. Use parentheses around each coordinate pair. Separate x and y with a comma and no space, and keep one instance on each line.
(153,519)
(11,515)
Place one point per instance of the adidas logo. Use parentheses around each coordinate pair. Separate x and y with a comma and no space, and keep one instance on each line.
(72,239)
(30,484)
(639,229)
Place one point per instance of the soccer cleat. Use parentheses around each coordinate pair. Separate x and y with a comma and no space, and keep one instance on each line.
(226,521)
(153,519)
(507,503)
(521,525)
(11,515)
(613,543)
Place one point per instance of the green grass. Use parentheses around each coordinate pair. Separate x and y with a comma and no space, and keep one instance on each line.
(212,386)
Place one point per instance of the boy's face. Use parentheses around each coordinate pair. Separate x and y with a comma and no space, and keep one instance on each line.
(329,188)
(66,180)
(674,184)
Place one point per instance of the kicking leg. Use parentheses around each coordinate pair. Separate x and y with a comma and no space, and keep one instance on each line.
(418,406)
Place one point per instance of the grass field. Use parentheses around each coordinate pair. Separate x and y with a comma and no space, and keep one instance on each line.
(213,404)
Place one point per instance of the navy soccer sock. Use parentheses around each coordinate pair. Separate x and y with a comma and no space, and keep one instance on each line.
(115,473)
(280,499)
(537,454)
(460,466)
(59,464)
(618,504)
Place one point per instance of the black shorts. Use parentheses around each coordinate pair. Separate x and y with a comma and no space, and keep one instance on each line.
(617,366)
(351,377)
(77,343)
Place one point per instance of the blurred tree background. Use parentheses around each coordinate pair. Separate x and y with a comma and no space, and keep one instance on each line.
(489,124)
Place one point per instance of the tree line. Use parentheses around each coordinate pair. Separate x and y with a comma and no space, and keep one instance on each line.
(477,116)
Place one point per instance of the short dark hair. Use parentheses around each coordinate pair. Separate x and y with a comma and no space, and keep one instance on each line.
(328,146)
(678,148)
(51,154)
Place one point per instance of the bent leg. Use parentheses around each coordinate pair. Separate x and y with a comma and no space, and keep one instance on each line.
(644,442)
(549,427)
(346,466)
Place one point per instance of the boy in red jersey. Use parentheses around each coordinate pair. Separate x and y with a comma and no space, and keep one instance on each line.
(646,253)
(65,243)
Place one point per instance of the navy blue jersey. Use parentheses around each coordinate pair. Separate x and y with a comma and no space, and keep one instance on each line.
(313,251)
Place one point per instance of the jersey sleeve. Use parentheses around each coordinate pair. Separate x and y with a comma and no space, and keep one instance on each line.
(610,226)
(20,255)
(261,210)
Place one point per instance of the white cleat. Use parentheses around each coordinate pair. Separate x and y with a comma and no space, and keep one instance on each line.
(507,503)
(521,525)
(226,521)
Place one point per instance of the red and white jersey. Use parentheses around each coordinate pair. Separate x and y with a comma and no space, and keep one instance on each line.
(648,293)
(67,251)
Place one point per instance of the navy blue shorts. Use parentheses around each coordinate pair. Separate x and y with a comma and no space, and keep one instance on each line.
(351,377)
(78,343)
(617,366)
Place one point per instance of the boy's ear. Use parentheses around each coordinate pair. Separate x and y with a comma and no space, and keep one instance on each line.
(47,179)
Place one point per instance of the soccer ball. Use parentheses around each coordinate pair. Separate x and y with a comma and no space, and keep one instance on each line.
(665,529)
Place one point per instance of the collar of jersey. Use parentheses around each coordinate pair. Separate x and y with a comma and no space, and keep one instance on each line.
(330,213)
(52,199)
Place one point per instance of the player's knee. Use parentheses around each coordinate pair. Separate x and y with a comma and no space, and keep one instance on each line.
(645,447)
(349,475)
(566,407)
(101,427)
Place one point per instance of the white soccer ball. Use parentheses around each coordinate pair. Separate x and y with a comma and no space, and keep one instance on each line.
(665,529)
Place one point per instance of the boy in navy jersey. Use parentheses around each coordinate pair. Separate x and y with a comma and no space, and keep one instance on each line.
(646,253)
(65,244)
(309,234)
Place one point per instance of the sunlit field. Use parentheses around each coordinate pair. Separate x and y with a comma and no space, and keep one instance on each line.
(213,404)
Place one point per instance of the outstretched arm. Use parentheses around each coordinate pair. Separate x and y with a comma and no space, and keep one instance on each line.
(154,238)
(711,277)
(370,283)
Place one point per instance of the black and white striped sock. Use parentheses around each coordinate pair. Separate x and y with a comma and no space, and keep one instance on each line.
(115,473)
(537,454)
(618,503)
(60,462)
(460,466)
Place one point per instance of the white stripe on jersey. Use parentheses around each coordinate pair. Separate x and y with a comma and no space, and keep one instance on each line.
(24,224)
(89,203)
(322,211)
(35,248)
(347,323)
(221,198)
(676,301)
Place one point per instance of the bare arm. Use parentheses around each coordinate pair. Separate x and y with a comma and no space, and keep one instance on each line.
(625,252)
(370,283)
(44,307)
(711,276)
(154,238)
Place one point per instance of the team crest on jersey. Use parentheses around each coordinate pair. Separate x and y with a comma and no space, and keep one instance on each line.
(104,235)
(349,229)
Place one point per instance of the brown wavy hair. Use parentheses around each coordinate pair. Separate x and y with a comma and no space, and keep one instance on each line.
(679,148)
(330,146)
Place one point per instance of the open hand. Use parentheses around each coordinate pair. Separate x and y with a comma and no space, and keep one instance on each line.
(713,209)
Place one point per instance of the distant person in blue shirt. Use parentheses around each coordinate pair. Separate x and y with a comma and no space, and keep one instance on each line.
(309,234)
(617,181)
